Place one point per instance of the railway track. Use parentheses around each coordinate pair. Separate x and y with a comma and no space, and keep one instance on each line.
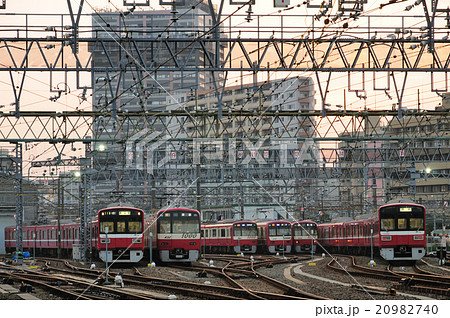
(196,290)
(237,270)
(419,280)
(67,287)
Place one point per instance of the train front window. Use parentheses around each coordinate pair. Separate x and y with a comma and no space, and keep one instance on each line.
(286,231)
(164,225)
(120,227)
(185,226)
(402,224)
(135,227)
(191,226)
(279,229)
(104,225)
(305,229)
(387,224)
(249,231)
(416,224)
(245,229)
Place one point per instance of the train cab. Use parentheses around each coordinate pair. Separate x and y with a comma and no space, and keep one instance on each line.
(178,235)
(304,236)
(120,234)
(402,231)
(274,236)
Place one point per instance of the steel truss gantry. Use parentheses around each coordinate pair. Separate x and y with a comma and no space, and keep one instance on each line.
(84,126)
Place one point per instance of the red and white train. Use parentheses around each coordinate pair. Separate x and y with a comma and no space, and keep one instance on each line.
(230,237)
(43,238)
(122,228)
(175,234)
(304,236)
(397,232)
(274,236)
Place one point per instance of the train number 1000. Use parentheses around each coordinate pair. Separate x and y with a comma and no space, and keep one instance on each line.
(189,235)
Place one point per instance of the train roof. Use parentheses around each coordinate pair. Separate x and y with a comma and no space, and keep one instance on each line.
(120,207)
(177,209)
(304,221)
(264,221)
(400,200)
(228,221)
(401,203)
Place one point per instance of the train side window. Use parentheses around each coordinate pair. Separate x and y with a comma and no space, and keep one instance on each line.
(214,233)
(206,233)
(222,232)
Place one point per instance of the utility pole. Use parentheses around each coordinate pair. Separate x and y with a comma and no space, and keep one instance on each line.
(153,193)
(58,210)
(197,173)
(19,201)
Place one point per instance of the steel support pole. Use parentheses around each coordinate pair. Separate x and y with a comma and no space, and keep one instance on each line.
(19,202)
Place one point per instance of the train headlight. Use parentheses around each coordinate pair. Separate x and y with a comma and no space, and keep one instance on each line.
(385,238)
(192,243)
(418,238)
